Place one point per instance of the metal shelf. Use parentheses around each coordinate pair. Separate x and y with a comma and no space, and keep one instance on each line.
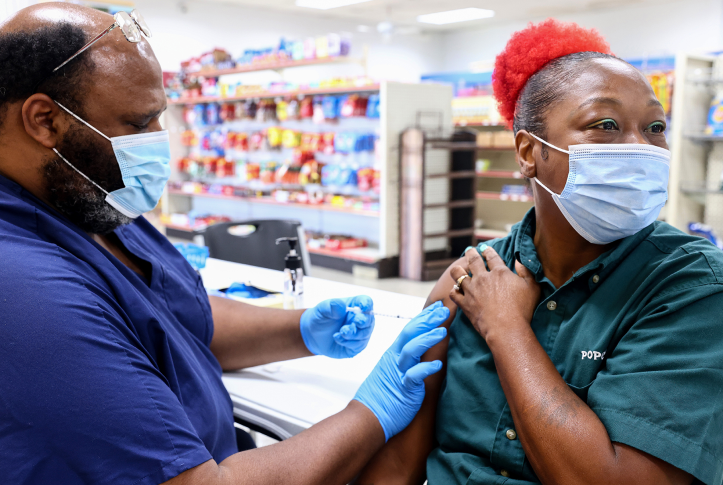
(276,94)
(487,234)
(703,137)
(269,201)
(462,174)
(504,197)
(277,66)
(502,174)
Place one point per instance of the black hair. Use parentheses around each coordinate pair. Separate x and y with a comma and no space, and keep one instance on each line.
(27,60)
(546,87)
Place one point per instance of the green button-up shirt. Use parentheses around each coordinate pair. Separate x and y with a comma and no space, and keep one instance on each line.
(637,334)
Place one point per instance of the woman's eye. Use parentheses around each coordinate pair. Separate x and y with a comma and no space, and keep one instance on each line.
(657,128)
(605,125)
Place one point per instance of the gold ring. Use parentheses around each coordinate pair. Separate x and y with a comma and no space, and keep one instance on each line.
(461,279)
(458,286)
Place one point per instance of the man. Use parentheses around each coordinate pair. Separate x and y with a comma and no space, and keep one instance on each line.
(110,351)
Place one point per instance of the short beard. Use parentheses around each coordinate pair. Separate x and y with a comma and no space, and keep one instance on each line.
(72,195)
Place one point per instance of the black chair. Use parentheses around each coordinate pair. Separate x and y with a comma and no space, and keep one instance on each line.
(254,242)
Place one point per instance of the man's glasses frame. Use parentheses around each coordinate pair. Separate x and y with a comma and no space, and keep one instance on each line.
(132,26)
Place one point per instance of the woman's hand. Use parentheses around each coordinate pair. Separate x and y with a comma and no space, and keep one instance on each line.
(495,299)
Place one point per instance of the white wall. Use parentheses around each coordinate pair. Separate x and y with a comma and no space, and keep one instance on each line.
(633,31)
(178,36)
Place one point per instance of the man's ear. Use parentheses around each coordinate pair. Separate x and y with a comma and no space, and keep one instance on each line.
(524,144)
(42,120)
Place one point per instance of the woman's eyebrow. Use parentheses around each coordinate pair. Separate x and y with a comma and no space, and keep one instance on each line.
(600,100)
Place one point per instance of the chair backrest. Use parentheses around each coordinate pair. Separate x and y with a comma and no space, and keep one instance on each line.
(254,242)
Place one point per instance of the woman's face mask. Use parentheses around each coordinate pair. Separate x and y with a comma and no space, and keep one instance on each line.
(612,190)
(144,161)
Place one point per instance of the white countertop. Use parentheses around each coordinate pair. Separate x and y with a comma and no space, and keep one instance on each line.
(288,397)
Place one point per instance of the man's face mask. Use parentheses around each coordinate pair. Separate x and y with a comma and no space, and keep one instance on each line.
(144,161)
(612,191)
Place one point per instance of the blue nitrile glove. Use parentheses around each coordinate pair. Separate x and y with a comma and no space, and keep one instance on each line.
(394,391)
(329,329)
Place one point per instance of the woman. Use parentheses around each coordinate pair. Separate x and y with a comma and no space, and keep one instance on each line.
(589,345)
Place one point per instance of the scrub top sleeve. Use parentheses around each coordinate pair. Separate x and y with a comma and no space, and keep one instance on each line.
(79,392)
(661,390)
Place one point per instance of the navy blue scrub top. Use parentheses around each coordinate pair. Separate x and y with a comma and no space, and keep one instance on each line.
(105,377)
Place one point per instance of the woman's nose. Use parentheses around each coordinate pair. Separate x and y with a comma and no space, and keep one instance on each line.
(636,136)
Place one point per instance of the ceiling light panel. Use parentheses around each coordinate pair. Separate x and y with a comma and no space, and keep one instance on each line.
(327,4)
(453,16)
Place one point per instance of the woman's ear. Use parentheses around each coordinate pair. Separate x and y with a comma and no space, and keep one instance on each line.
(524,144)
(42,120)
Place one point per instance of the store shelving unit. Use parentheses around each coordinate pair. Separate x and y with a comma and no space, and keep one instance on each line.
(496,211)
(400,104)
(277,94)
(284,64)
(694,191)
(437,202)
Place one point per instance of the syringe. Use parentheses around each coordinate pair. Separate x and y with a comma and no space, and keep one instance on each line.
(355,309)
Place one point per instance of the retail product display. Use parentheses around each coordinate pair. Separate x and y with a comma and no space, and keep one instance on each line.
(282,164)
(662,83)
(475,110)
(334,242)
(496,139)
(194,254)
(192,220)
(715,117)
(203,88)
(316,197)
(705,231)
(321,47)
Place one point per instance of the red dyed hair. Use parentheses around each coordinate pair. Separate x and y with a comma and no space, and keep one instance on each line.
(530,49)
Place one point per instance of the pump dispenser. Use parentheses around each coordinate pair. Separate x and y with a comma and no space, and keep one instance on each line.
(293,275)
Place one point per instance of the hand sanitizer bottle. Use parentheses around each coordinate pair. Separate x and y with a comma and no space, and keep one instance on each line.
(293,276)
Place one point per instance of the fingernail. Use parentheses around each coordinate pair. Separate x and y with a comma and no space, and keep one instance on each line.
(483,247)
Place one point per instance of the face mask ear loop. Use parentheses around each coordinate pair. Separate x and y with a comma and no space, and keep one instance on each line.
(548,144)
(85,176)
(86,123)
(543,186)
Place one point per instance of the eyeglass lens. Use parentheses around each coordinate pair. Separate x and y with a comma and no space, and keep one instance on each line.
(128,27)
(135,15)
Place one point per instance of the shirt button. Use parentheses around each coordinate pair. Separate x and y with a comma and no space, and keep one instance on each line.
(505,473)
(511,435)
(551,305)
(595,279)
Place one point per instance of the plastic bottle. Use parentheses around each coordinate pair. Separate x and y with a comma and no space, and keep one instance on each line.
(293,276)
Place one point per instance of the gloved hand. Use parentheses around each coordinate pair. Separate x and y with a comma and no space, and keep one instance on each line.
(394,391)
(328,329)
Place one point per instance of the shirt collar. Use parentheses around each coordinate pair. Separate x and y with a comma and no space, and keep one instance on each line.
(603,265)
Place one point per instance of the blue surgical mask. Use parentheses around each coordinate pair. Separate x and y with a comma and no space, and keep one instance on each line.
(144,162)
(612,191)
